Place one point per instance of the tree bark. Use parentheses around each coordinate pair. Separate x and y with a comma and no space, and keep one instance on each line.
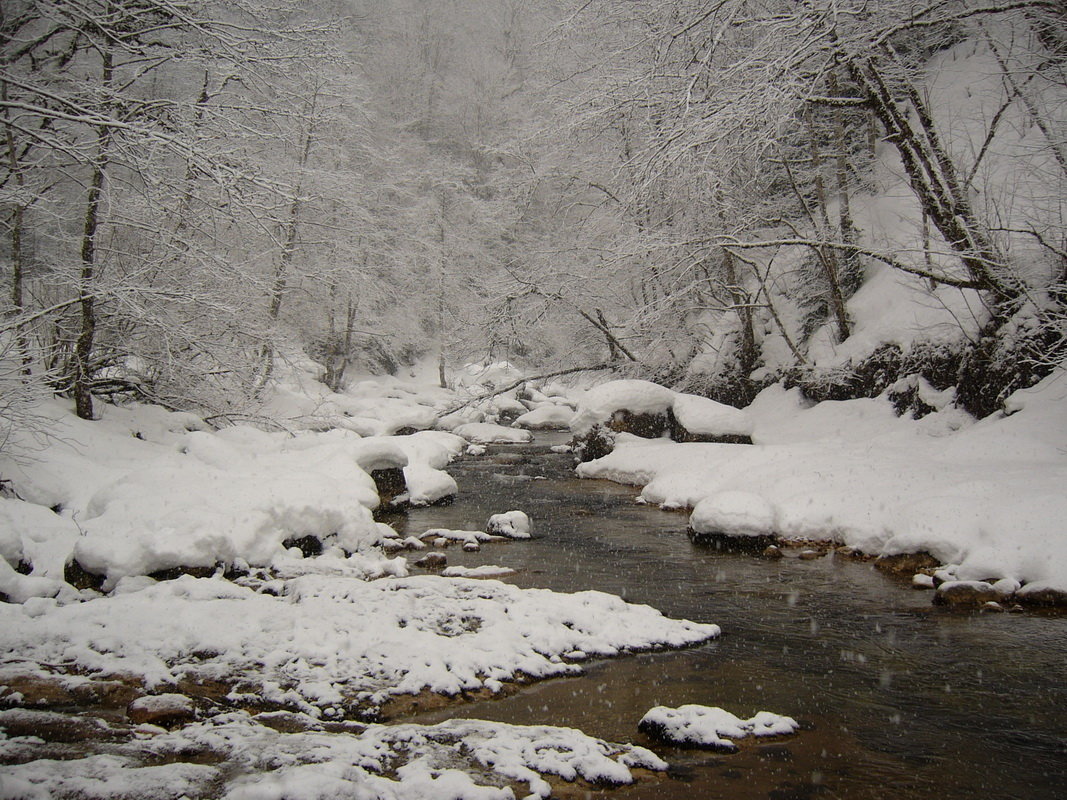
(83,348)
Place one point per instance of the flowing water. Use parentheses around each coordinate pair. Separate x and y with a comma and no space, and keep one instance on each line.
(897,698)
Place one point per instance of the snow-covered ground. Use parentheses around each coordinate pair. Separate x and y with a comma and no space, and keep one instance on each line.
(243,569)
(986,496)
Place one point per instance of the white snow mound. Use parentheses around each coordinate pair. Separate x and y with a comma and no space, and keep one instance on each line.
(710,726)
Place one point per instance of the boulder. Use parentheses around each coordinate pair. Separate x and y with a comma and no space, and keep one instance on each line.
(432,561)
(164,710)
(906,563)
(1042,593)
(965,593)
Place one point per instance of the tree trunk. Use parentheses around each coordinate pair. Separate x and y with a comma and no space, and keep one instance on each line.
(83,348)
(17,227)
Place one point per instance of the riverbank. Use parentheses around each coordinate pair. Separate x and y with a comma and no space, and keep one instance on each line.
(983,498)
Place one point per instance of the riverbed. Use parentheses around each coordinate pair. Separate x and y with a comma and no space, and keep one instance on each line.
(897,698)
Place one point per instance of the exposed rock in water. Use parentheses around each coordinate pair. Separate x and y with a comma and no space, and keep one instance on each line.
(772,551)
(731,543)
(906,563)
(965,593)
(432,561)
(1040,593)
(390,483)
(810,555)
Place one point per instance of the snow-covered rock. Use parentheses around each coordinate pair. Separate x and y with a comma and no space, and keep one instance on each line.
(600,404)
(710,726)
(488,433)
(484,571)
(546,417)
(702,418)
(733,513)
(512,524)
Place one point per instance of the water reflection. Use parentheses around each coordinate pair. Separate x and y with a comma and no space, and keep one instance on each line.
(899,699)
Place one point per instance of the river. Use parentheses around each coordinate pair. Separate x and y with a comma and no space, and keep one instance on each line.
(897,698)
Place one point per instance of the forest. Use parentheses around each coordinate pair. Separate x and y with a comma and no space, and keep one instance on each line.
(481,399)
(697,193)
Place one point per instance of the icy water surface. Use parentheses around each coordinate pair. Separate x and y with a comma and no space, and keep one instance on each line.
(899,699)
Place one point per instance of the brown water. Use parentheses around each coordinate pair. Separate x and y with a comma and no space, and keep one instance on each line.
(898,699)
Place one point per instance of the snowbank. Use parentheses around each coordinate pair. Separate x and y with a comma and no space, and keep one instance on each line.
(455,759)
(987,496)
(546,417)
(329,641)
(144,490)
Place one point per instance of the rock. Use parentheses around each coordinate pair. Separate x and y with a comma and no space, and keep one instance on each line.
(1042,593)
(1006,587)
(920,580)
(432,561)
(772,551)
(965,593)
(992,606)
(472,547)
(906,563)
(80,578)
(164,710)
(728,543)
(944,576)
(513,524)
(308,546)
(810,555)
(390,483)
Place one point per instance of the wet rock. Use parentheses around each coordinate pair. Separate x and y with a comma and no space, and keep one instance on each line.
(390,483)
(432,561)
(29,689)
(728,543)
(906,563)
(52,726)
(472,547)
(595,443)
(1042,593)
(810,555)
(164,710)
(80,578)
(173,573)
(772,551)
(965,593)
(308,546)
(992,606)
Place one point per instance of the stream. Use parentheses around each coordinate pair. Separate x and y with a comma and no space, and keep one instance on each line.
(896,698)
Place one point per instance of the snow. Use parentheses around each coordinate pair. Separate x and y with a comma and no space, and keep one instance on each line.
(984,495)
(546,417)
(467,759)
(598,404)
(733,513)
(489,433)
(427,485)
(702,416)
(320,640)
(713,727)
(513,524)
(484,571)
